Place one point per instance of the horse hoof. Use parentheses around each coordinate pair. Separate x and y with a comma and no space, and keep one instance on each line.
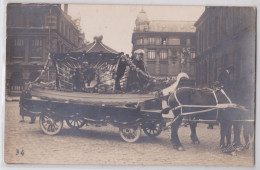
(228,149)
(234,153)
(180,148)
(238,147)
(196,142)
(247,146)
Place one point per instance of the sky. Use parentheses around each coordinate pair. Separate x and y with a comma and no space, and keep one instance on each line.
(116,22)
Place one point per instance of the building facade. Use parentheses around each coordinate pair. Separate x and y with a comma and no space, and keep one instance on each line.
(169,46)
(226,36)
(33,31)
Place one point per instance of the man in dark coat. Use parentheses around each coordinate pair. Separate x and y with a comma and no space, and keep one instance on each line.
(224,79)
(226,83)
(136,81)
(120,71)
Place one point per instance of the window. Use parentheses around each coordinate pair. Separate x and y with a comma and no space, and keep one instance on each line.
(18,51)
(164,41)
(163,54)
(158,41)
(151,40)
(192,53)
(145,41)
(139,41)
(151,54)
(19,42)
(146,28)
(35,49)
(51,21)
(16,82)
(188,41)
(174,41)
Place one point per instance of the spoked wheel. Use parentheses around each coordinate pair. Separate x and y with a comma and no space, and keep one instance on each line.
(75,123)
(50,126)
(152,129)
(130,134)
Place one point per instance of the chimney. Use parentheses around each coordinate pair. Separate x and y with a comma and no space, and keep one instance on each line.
(66,8)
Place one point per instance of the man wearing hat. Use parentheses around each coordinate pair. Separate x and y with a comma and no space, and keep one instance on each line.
(135,79)
(225,78)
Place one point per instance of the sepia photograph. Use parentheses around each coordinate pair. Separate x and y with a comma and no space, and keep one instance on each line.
(130,85)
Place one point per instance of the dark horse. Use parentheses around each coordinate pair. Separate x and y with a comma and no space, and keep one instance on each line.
(205,104)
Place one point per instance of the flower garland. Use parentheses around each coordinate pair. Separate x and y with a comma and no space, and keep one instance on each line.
(134,67)
(155,79)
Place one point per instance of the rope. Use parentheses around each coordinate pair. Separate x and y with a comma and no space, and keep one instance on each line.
(146,75)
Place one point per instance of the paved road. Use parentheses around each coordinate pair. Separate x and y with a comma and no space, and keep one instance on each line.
(103,145)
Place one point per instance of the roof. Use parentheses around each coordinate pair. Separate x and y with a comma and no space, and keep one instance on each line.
(141,17)
(95,53)
(97,47)
(171,26)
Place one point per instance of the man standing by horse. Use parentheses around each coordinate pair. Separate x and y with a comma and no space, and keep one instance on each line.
(226,84)
(239,94)
(225,79)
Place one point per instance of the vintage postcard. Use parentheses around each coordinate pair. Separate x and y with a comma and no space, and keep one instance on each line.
(130,85)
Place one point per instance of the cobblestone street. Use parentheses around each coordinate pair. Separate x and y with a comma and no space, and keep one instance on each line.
(103,145)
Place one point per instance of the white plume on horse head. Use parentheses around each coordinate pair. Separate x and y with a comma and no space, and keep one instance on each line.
(182,75)
(174,86)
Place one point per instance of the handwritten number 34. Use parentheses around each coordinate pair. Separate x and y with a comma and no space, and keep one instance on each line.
(18,152)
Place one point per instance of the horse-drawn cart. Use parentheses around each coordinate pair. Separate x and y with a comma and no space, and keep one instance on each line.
(67,100)
(129,112)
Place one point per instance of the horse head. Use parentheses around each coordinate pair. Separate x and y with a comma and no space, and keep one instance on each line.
(174,86)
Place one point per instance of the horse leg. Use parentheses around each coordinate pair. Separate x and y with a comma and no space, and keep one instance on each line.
(193,135)
(225,132)
(222,135)
(225,139)
(228,133)
(247,132)
(230,148)
(174,134)
(237,131)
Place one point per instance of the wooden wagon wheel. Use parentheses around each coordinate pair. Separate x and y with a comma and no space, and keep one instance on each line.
(130,134)
(152,128)
(50,126)
(75,122)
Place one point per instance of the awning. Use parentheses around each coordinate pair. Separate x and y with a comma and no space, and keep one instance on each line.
(97,46)
(95,54)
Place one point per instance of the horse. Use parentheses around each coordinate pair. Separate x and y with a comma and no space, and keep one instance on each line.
(206,104)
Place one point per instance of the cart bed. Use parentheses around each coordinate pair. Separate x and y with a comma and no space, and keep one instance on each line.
(90,98)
